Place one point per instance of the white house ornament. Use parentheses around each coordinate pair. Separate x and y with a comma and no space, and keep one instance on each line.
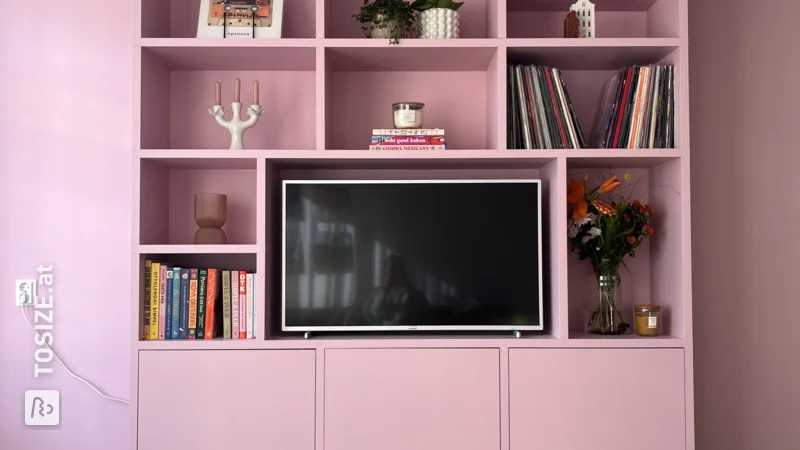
(585,12)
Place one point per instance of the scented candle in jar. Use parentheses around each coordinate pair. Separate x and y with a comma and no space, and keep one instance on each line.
(648,320)
(408,114)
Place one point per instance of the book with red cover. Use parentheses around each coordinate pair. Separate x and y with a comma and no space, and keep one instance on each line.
(211,302)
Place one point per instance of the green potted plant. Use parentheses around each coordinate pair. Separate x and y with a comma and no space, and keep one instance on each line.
(387,19)
(439,19)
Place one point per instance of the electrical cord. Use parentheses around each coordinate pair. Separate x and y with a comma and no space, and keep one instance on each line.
(120,400)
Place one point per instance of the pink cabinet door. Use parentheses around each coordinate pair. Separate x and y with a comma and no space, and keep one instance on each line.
(226,399)
(580,399)
(420,399)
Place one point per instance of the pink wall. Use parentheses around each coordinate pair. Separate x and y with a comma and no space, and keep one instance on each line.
(65,189)
(745,158)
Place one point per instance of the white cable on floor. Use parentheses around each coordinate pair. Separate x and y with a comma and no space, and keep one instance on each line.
(67,368)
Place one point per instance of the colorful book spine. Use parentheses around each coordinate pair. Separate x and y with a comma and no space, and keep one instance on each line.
(226,304)
(184,328)
(250,312)
(408,132)
(408,140)
(242,304)
(193,303)
(154,299)
(146,300)
(168,315)
(176,303)
(211,304)
(407,147)
(162,301)
(201,303)
(234,304)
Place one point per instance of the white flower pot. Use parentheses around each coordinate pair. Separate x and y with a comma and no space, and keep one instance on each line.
(439,23)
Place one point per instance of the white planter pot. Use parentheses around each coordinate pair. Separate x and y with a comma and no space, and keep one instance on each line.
(439,23)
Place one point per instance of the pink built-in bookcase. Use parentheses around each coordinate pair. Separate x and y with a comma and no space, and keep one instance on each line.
(324,87)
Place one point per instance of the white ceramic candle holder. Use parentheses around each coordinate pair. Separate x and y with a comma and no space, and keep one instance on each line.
(236,126)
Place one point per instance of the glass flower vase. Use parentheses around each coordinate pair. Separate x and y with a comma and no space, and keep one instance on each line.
(606,317)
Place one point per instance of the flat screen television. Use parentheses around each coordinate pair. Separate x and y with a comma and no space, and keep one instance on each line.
(395,255)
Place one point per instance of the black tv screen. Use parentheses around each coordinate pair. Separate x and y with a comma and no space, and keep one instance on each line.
(412,255)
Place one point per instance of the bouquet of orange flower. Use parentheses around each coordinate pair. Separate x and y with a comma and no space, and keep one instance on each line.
(605,228)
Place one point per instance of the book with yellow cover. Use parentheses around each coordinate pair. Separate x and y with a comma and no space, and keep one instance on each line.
(146,300)
(155,298)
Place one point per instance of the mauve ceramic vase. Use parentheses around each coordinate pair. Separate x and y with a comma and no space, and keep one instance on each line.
(210,213)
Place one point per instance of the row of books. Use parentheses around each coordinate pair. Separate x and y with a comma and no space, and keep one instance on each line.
(540,112)
(198,303)
(408,139)
(638,110)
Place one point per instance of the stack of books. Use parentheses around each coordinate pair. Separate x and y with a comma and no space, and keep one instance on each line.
(638,109)
(198,303)
(408,139)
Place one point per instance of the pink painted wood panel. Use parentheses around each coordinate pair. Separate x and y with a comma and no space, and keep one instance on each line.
(238,185)
(550,24)
(400,399)
(579,399)
(287,98)
(340,23)
(563,5)
(668,249)
(231,399)
(455,101)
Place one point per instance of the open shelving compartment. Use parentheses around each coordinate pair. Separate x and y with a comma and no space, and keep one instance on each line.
(166,200)
(279,169)
(177,91)
(587,70)
(236,261)
(478,19)
(657,274)
(457,85)
(614,18)
(178,18)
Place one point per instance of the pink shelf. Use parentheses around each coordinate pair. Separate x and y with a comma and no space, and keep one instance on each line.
(563,5)
(177,85)
(591,54)
(166,203)
(614,18)
(201,159)
(438,57)
(503,342)
(221,55)
(638,158)
(655,275)
(195,249)
(479,19)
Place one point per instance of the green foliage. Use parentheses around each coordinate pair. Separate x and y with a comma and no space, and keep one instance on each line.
(397,16)
(422,5)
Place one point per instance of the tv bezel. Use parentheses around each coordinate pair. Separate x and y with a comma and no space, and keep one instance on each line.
(539,327)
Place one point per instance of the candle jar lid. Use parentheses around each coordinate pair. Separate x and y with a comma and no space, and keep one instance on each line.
(653,308)
(408,105)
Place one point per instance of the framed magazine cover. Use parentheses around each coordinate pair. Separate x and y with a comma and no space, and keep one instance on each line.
(240,19)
